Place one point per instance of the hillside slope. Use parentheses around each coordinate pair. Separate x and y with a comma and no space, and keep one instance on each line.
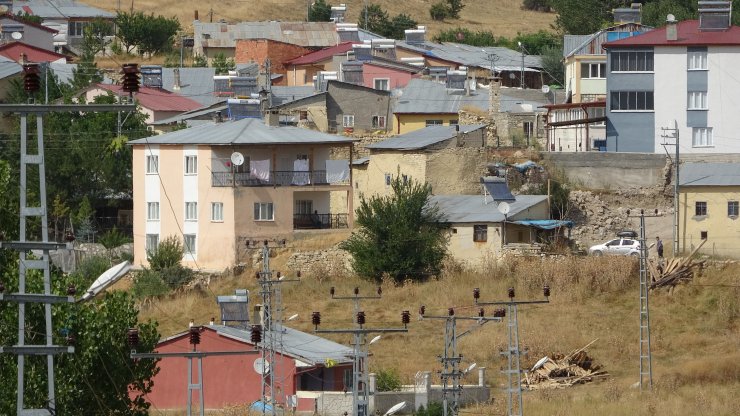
(502,17)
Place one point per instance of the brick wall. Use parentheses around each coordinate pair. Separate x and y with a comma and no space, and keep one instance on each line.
(257,50)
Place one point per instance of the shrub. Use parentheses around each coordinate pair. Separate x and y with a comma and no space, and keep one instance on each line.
(92,267)
(149,283)
(168,254)
(434,409)
(438,11)
(537,5)
(113,238)
(388,380)
(176,276)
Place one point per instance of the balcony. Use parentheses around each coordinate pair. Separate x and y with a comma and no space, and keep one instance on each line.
(319,221)
(276,178)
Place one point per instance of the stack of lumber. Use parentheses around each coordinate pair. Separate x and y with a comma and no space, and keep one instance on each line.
(563,371)
(675,270)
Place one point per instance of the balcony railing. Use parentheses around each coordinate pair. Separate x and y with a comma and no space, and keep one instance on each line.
(277,177)
(319,221)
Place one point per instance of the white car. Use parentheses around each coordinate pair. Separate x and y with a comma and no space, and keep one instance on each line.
(620,247)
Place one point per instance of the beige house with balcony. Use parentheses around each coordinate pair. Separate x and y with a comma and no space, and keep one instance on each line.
(218,185)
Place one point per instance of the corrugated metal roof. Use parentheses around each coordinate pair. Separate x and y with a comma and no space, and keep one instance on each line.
(592,44)
(321,55)
(31,24)
(419,139)
(157,99)
(477,56)
(195,114)
(247,131)
(195,83)
(688,35)
(13,50)
(471,208)
(282,94)
(573,42)
(710,174)
(8,67)
(61,9)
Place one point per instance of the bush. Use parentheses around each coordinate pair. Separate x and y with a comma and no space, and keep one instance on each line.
(92,267)
(168,254)
(434,409)
(149,283)
(537,5)
(439,11)
(176,276)
(388,380)
(113,238)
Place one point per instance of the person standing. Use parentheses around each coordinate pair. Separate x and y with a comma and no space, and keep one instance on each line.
(659,247)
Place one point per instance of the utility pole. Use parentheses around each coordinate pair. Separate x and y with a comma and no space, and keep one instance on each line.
(40,241)
(450,360)
(674,134)
(360,394)
(521,72)
(646,360)
(513,353)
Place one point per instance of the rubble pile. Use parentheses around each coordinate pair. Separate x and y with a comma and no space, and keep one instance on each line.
(563,371)
(671,272)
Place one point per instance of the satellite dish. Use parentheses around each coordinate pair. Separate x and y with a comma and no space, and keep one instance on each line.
(374,340)
(540,363)
(261,366)
(503,207)
(106,279)
(670,18)
(396,408)
(472,367)
(16,35)
(545,89)
(292,317)
(237,159)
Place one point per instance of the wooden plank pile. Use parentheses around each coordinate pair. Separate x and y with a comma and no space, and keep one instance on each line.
(562,371)
(673,271)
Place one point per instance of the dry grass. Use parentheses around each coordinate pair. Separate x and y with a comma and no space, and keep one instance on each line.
(502,17)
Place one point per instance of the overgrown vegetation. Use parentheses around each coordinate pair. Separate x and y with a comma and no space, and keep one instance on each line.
(320,11)
(113,238)
(388,380)
(533,43)
(149,34)
(433,409)
(222,64)
(165,271)
(377,21)
(447,9)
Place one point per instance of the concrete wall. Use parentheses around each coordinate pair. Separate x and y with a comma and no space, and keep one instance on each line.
(363,103)
(602,170)
(723,238)
(406,123)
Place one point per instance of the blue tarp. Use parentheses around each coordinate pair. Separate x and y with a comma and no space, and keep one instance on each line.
(545,224)
(261,407)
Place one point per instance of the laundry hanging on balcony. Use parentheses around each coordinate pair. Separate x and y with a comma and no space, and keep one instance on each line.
(337,171)
(301,175)
(260,169)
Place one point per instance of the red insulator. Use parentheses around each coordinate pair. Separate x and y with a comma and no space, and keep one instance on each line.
(130,79)
(357,291)
(476,293)
(481,312)
(195,335)
(380,291)
(257,275)
(71,339)
(298,274)
(451,311)
(133,337)
(71,290)
(256,334)
(361,318)
(499,313)
(279,274)
(546,291)
(422,310)
(511,292)
(405,317)
(316,318)
(332,291)
(31,80)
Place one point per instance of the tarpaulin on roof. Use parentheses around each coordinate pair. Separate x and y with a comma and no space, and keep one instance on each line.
(545,224)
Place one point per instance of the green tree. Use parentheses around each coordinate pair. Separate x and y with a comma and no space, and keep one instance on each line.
(93,38)
(320,11)
(468,37)
(400,234)
(200,61)
(388,380)
(552,63)
(454,7)
(374,19)
(537,5)
(583,17)
(223,65)
(99,377)
(148,33)
(30,18)
(397,26)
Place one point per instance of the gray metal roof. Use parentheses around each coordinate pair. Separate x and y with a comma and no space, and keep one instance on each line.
(282,94)
(591,44)
(247,131)
(195,83)
(478,56)
(361,161)
(8,67)
(573,42)
(61,9)
(710,174)
(195,114)
(419,139)
(471,208)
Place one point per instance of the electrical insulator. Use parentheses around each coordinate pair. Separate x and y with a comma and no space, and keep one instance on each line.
(283,242)
(422,310)
(476,293)
(361,318)
(511,292)
(499,313)
(357,291)
(265,243)
(332,291)
(298,274)
(195,335)
(256,334)
(71,339)
(546,291)
(316,318)
(71,290)
(481,312)
(2,286)
(247,243)
(31,80)
(130,78)
(133,337)
(70,237)
(279,274)
(257,275)
(405,317)
(451,311)
(380,291)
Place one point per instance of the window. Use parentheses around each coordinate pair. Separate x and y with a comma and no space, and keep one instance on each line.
(189,244)
(697,100)
(433,123)
(703,235)
(152,242)
(632,101)
(627,242)
(303,115)
(76,29)
(152,164)
(593,70)
(732,208)
(702,137)
(697,60)
(304,207)
(379,122)
(152,211)
(382,84)
(640,61)
(263,211)
(454,122)
(191,211)
(217,211)
(191,165)
(347,379)
(348,120)
(528,127)
(701,209)
(480,233)
(387,179)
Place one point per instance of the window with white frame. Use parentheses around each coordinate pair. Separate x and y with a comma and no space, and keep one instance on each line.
(378,122)
(697,100)
(637,61)
(263,211)
(76,29)
(191,165)
(303,207)
(189,244)
(733,208)
(433,123)
(217,211)
(697,60)
(348,120)
(191,211)
(152,211)
(702,137)
(152,164)
(593,70)
(152,242)
(382,84)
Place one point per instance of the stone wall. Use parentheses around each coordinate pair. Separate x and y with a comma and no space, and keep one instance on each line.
(608,170)
(321,263)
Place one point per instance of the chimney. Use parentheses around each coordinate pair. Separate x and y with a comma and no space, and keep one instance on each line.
(176,74)
(415,36)
(272,118)
(494,97)
(715,15)
(23,59)
(218,117)
(671,28)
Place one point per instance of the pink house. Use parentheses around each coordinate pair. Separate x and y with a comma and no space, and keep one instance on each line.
(385,74)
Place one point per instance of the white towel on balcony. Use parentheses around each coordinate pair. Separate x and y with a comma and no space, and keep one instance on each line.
(260,169)
(300,172)
(337,171)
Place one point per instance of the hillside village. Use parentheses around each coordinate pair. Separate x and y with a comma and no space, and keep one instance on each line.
(259,159)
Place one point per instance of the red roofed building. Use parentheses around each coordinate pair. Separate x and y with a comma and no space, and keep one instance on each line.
(14,50)
(680,76)
(156,103)
(30,33)
(301,70)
